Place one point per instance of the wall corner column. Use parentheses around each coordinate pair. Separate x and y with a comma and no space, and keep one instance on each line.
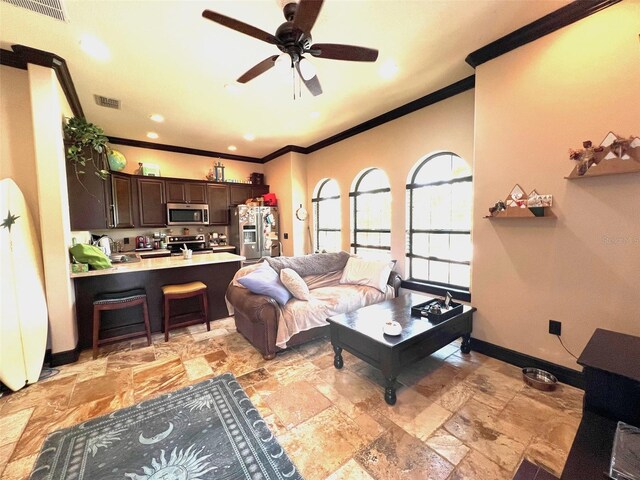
(47,116)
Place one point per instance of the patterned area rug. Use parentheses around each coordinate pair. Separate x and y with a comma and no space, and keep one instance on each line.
(208,430)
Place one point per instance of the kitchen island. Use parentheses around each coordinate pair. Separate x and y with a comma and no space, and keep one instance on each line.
(214,269)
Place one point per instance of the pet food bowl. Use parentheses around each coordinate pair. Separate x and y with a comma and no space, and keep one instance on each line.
(536,378)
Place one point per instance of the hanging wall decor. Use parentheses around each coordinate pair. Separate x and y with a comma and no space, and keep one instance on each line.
(614,155)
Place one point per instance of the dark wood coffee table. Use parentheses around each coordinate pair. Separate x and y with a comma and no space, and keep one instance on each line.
(360,333)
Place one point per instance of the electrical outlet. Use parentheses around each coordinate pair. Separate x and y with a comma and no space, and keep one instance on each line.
(555,327)
(286,236)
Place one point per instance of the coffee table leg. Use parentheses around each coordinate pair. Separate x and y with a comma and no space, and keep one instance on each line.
(466,343)
(337,358)
(390,391)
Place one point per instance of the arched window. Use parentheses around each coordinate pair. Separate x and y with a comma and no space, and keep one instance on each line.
(439,201)
(326,216)
(371,215)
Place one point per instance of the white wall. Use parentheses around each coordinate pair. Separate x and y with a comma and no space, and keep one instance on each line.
(532,105)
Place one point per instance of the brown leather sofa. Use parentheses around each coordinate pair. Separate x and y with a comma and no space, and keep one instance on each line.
(256,319)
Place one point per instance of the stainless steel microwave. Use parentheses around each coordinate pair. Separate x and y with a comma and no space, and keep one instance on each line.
(187,214)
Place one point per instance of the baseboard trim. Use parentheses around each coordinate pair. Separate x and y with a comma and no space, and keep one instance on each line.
(62,358)
(566,375)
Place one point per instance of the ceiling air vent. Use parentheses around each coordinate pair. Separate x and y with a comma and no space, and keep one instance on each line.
(107,102)
(50,8)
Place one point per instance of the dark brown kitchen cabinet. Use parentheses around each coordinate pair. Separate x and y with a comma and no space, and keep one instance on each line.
(186,192)
(88,200)
(259,190)
(218,204)
(238,194)
(121,201)
(151,200)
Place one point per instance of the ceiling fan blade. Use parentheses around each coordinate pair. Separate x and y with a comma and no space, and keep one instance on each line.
(306,14)
(239,26)
(336,51)
(258,69)
(312,84)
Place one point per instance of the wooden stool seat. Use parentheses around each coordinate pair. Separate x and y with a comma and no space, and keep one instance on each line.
(181,292)
(191,287)
(116,301)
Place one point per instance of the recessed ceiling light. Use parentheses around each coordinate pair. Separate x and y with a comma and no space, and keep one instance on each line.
(233,148)
(249,136)
(94,47)
(314,114)
(388,69)
(156,117)
(153,135)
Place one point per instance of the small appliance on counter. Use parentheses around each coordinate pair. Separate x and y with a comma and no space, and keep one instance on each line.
(143,243)
(103,242)
(196,243)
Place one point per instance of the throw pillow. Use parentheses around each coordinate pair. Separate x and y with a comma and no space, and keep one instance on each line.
(294,283)
(373,273)
(264,281)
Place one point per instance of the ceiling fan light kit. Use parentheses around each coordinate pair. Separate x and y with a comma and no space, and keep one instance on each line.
(293,38)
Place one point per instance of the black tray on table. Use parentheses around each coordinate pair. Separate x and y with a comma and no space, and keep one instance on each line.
(422,310)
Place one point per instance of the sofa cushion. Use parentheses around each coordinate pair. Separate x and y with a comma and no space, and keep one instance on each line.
(294,283)
(373,273)
(313,264)
(264,281)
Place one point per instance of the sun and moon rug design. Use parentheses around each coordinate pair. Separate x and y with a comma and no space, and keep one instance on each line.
(210,430)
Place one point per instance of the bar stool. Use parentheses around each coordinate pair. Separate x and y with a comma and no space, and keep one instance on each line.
(181,292)
(117,301)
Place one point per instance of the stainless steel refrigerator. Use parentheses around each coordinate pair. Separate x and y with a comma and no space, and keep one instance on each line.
(254,230)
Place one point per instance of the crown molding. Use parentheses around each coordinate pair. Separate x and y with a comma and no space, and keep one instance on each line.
(178,149)
(422,102)
(570,13)
(282,151)
(12,59)
(59,65)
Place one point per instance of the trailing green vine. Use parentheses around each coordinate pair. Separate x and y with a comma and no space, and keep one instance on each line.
(87,147)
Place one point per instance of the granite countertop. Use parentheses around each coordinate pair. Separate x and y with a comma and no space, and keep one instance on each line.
(163,262)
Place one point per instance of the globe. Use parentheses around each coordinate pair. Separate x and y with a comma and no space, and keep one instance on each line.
(117,161)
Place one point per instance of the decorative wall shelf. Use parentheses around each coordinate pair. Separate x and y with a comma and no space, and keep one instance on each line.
(614,156)
(520,205)
(518,212)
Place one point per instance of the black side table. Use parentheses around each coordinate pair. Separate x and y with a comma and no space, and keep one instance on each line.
(611,362)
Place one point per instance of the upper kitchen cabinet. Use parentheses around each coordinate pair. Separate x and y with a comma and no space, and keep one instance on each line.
(218,204)
(259,190)
(151,200)
(186,192)
(238,194)
(88,201)
(122,201)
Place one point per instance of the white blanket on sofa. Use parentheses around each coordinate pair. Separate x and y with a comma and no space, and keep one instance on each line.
(298,315)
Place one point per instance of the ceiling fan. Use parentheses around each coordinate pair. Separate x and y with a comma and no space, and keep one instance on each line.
(293,37)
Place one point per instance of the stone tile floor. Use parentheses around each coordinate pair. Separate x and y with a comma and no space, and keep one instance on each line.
(457,416)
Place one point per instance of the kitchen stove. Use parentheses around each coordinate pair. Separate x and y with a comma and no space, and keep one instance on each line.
(196,243)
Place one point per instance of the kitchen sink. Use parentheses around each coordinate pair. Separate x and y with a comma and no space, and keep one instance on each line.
(124,258)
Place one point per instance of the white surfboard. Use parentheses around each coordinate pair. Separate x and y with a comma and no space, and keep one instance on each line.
(23,307)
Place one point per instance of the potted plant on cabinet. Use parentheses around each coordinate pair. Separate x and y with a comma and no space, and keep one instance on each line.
(86,145)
